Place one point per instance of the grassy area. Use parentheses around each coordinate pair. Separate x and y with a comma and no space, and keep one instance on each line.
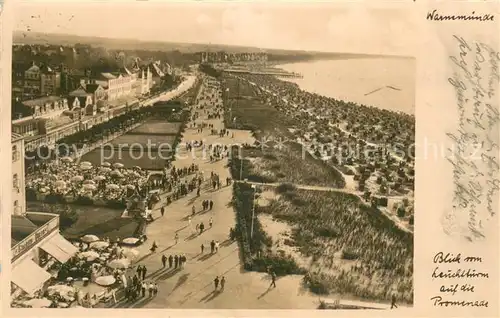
(272,161)
(255,244)
(100,221)
(354,249)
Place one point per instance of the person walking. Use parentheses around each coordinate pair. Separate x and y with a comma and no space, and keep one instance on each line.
(176,238)
(210,222)
(150,289)
(164,261)
(155,289)
(139,271)
(202,227)
(162,210)
(170,261)
(222,282)
(211,204)
(216,282)
(216,246)
(143,289)
(144,271)
(212,246)
(393,301)
(193,210)
(273,279)
(202,248)
(176,261)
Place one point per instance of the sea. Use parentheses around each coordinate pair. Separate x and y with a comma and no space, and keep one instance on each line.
(383,82)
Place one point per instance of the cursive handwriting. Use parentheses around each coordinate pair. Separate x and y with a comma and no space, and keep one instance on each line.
(438,301)
(474,152)
(435,16)
(458,273)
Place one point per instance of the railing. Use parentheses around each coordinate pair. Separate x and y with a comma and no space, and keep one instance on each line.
(37,236)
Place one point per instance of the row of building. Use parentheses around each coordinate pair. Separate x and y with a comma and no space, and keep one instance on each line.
(224,57)
(43,80)
(97,98)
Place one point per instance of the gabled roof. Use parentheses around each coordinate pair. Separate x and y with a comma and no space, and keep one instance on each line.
(92,88)
(33,68)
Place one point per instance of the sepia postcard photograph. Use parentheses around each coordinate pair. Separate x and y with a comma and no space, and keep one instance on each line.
(238,156)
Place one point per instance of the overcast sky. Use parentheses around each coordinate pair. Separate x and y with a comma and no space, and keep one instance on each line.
(334,28)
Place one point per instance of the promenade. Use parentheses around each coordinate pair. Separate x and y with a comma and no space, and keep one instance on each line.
(192,287)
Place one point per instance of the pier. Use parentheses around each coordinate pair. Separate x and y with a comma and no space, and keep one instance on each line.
(272,73)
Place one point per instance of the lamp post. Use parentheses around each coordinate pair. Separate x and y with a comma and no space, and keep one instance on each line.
(241,165)
(254,187)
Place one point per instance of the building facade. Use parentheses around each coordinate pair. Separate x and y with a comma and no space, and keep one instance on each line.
(18,193)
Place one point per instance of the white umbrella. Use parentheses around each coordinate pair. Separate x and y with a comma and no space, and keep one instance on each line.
(89,238)
(100,178)
(112,186)
(89,187)
(67,159)
(38,303)
(85,168)
(77,178)
(99,245)
(106,164)
(89,182)
(85,163)
(130,253)
(61,290)
(118,165)
(116,173)
(105,169)
(60,183)
(105,280)
(130,240)
(89,255)
(119,263)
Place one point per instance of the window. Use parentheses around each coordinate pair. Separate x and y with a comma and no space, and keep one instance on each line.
(15,153)
(15,181)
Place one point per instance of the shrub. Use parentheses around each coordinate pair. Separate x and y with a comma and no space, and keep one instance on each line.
(285,187)
(349,255)
(281,265)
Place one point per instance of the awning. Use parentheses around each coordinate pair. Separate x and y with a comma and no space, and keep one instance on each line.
(28,276)
(59,248)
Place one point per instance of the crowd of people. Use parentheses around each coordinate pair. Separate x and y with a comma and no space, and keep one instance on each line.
(374,145)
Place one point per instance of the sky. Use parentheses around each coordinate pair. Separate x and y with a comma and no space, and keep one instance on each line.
(318,27)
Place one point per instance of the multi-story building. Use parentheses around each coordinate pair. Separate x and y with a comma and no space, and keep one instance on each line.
(116,86)
(18,194)
(39,81)
(50,81)
(32,81)
(36,244)
(26,126)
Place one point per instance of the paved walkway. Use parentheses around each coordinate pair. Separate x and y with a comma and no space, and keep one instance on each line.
(192,287)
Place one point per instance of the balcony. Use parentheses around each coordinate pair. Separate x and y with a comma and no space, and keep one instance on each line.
(33,228)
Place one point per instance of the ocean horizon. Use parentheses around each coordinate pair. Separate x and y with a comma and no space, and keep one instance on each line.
(386,83)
